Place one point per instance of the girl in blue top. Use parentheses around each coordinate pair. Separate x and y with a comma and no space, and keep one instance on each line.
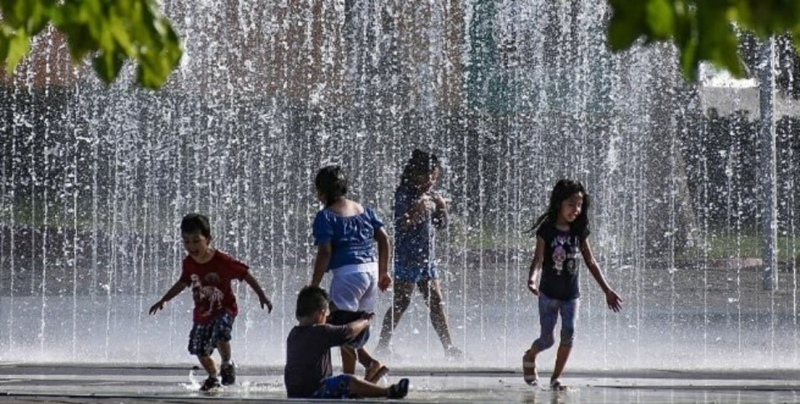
(561,234)
(418,212)
(345,233)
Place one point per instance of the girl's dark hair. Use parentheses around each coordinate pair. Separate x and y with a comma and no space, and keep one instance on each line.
(563,190)
(194,223)
(332,183)
(310,301)
(421,163)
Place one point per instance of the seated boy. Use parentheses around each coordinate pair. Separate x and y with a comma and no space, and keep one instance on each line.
(309,373)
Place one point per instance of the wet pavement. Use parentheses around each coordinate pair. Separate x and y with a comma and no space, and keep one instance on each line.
(27,383)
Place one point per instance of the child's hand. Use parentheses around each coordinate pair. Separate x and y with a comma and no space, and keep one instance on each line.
(532,287)
(439,201)
(264,300)
(367,316)
(384,282)
(156,307)
(429,202)
(613,300)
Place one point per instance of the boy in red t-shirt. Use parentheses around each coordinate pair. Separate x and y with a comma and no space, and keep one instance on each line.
(209,273)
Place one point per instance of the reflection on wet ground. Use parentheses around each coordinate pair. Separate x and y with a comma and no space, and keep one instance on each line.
(177,384)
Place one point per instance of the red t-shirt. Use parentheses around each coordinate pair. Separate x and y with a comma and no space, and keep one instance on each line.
(211,285)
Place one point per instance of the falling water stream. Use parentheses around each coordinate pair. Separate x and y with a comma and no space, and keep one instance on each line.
(512,96)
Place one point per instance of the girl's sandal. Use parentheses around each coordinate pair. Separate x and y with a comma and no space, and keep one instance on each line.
(529,372)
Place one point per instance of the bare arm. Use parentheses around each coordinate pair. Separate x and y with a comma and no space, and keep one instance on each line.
(536,266)
(356,327)
(324,253)
(613,300)
(382,238)
(175,290)
(262,297)
(440,211)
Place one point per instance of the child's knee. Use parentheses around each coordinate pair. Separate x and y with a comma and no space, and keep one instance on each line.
(567,337)
(544,342)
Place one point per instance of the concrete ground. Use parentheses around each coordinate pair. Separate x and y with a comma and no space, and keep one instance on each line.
(80,383)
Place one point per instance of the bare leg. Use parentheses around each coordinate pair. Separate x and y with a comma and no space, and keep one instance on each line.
(348,360)
(208,364)
(569,313)
(364,357)
(374,369)
(561,360)
(432,293)
(224,348)
(402,298)
(363,388)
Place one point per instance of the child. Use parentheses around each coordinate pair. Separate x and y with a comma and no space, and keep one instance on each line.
(209,273)
(417,211)
(561,234)
(345,233)
(308,372)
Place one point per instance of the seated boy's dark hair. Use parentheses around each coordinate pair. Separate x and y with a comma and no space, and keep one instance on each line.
(310,301)
(331,182)
(196,223)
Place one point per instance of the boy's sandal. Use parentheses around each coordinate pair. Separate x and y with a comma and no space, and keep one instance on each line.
(399,390)
(375,372)
(210,384)
(529,372)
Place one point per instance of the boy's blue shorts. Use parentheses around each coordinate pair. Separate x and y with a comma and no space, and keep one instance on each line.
(334,387)
(415,274)
(203,338)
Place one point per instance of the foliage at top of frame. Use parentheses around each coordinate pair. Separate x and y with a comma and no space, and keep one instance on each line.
(110,32)
(702,30)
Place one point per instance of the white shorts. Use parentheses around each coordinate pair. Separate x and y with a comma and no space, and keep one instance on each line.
(355,287)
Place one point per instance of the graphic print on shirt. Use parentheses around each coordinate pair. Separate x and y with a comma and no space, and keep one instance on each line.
(208,296)
(565,253)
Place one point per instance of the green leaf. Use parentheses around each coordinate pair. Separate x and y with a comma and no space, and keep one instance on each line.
(728,57)
(4,44)
(627,23)
(31,15)
(112,31)
(18,47)
(689,60)
(80,41)
(9,10)
(685,27)
(108,65)
(796,39)
(118,30)
(660,18)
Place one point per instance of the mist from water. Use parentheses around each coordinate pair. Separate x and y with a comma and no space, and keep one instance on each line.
(511,96)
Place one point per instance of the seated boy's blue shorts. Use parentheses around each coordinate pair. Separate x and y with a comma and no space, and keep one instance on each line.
(334,387)
(415,274)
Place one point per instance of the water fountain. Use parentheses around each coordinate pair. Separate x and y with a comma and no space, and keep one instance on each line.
(512,96)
